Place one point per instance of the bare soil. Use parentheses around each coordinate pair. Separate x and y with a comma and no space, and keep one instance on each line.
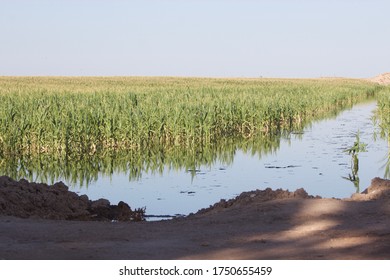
(25,200)
(263,224)
(383,79)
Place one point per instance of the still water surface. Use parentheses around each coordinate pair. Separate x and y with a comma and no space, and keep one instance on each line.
(314,160)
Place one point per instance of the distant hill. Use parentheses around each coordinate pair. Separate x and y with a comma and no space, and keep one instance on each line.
(383,79)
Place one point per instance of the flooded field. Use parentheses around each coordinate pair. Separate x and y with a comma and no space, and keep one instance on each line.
(176,145)
(313,159)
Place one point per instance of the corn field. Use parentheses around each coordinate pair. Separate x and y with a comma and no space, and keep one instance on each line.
(64,116)
(383,114)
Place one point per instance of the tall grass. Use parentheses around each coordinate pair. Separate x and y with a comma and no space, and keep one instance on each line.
(383,113)
(57,115)
(384,109)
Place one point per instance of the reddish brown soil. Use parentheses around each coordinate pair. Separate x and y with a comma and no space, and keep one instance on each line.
(256,225)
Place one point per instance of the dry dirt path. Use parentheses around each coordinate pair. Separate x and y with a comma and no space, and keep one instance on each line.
(256,225)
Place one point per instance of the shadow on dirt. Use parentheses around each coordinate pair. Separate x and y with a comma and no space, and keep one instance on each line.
(256,225)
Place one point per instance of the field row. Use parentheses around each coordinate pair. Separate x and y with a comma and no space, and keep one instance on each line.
(384,122)
(88,115)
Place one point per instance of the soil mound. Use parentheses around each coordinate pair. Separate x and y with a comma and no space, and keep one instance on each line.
(379,189)
(24,199)
(383,79)
(256,196)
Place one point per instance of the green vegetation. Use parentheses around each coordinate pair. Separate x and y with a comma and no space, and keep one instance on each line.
(384,117)
(86,115)
(81,169)
(384,110)
(79,127)
(357,146)
(354,151)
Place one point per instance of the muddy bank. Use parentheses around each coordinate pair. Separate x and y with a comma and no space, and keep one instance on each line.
(257,196)
(379,189)
(262,224)
(38,200)
(24,199)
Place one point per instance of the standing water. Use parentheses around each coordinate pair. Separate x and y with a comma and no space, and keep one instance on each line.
(314,159)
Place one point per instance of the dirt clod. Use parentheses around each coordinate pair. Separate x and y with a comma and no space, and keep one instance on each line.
(24,199)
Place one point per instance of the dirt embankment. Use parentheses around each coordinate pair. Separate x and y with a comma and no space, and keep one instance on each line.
(383,79)
(24,199)
(261,224)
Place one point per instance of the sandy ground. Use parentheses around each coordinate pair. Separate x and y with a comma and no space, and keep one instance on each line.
(383,79)
(256,225)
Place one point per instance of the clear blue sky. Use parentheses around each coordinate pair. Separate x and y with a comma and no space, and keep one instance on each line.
(272,38)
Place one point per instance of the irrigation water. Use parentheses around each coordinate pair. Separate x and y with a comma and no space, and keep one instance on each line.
(314,159)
